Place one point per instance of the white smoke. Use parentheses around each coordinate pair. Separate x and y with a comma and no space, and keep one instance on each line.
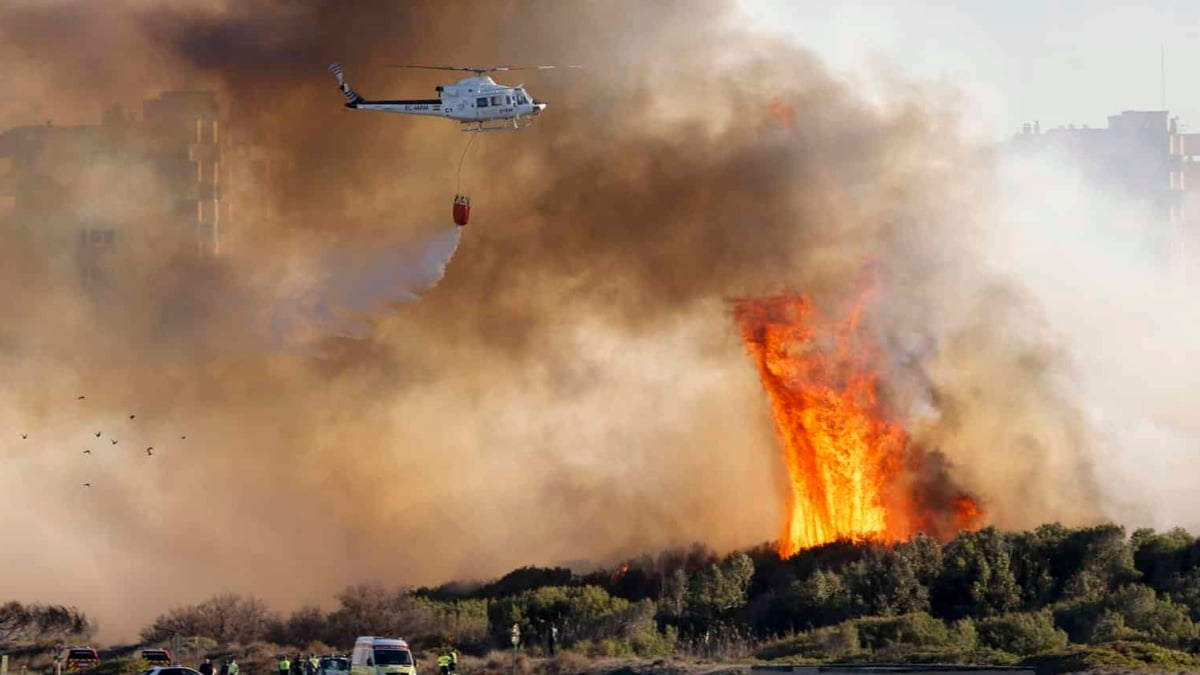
(1113,291)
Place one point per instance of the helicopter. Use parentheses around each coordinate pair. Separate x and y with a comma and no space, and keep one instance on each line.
(478,103)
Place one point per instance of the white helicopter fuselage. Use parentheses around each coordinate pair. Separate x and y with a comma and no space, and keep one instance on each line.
(478,100)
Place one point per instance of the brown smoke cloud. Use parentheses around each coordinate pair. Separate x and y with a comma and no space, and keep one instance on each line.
(574,387)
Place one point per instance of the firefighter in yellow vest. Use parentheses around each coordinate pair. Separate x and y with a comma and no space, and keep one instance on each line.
(285,666)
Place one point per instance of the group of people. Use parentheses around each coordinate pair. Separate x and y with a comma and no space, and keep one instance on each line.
(303,665)
(447,662)
(229,666)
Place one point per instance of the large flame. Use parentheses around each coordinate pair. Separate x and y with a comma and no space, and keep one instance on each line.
(845,461)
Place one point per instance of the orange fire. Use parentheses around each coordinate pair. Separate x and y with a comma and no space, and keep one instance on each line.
(846,462)
(968,515)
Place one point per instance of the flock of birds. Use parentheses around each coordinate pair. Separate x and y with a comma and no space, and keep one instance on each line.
(149,448)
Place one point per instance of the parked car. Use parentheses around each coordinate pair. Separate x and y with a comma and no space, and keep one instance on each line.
(156,657)
(81,658)
(334,665)
(169,670)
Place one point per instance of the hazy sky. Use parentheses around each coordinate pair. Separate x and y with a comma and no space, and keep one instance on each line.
(1062,62)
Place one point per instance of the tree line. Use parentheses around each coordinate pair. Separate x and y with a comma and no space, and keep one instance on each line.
(20,623)
(984,596)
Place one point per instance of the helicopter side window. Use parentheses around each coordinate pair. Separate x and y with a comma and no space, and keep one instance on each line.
(481,102)
(495,100)
(507,100)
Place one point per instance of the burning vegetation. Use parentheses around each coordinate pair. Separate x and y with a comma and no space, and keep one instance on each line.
(853,472)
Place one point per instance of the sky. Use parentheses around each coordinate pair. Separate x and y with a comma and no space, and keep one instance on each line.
(1065,62)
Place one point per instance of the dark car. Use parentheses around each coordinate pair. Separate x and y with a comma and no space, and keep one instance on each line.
(156,657)
(169,670)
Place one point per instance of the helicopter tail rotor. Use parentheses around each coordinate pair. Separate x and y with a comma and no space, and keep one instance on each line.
(351,96)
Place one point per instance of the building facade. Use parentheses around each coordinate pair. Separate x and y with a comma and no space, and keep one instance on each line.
(120,184)
(1142,158)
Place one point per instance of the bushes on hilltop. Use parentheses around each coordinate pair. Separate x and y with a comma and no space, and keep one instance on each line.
(1072,594)
(21,623)
(226,618)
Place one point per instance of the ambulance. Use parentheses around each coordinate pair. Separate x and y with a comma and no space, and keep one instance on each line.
(382,656)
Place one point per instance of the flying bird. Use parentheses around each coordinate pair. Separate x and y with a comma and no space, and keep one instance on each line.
(114,442)
(87,485)
(97,434)
(24,435)
(132,416)
(87,452)
(81,398)
(183,438)
(148,453)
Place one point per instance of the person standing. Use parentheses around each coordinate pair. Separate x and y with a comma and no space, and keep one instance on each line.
(233,666)
(285,666)
(553,639)
(225,667)
(206,667)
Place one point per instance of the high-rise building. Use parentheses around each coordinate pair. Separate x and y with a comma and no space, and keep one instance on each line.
(183,134)
(1139,156)
(101,188)
(1142,158)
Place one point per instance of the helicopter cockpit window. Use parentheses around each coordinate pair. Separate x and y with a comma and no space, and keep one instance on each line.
(507,100)
(481,102)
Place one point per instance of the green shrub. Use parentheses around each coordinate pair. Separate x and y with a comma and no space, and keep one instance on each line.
(1133,612)
(1164,623)
(1123,654)
(649,641)
(1023,633)
(1111,627)
(125,666)
(829,643)
(911,630)
(1154,655)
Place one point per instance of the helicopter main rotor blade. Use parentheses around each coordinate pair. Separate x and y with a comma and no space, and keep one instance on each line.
(506,68)
(488,69)
(463,68)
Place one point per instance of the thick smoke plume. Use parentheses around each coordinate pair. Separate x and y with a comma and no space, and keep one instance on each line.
(574,388)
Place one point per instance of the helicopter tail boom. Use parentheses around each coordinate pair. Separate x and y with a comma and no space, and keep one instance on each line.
(430,107)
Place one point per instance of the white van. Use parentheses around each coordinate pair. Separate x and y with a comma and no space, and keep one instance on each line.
(382,656)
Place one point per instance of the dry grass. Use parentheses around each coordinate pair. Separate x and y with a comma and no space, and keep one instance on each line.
(574,663)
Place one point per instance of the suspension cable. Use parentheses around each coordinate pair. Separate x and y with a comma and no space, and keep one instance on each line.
(458,181)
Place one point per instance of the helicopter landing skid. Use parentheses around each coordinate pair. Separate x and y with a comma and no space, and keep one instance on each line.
(507,125)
